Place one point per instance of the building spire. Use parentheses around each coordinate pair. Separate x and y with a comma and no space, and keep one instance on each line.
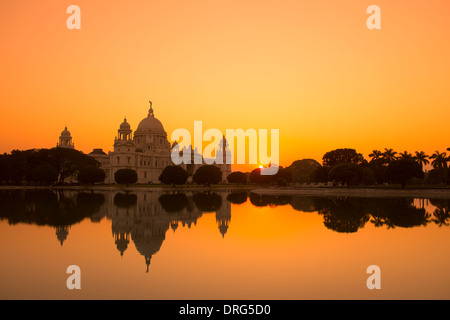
(150,112)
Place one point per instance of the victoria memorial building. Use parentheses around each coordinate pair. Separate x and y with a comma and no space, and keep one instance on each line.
(147,151)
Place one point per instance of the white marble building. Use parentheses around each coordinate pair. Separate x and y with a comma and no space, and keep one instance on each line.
(147,152)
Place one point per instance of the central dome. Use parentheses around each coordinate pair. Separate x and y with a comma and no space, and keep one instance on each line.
(150,123)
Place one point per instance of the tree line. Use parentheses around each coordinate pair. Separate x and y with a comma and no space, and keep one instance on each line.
(342,166)
(48,166)
(348,167)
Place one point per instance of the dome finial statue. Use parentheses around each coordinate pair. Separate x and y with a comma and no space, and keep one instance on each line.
(150,112)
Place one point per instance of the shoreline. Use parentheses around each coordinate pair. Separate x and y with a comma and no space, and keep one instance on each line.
(362,192)
(157,188)
(365,192)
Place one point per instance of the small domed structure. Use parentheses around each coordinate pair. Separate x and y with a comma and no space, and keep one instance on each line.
(65,132)
(65,140)
(125,125)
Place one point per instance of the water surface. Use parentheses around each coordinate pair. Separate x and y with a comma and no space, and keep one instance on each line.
(227,245)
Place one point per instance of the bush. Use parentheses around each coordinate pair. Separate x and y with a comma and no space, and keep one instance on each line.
(237,177)
(400,171)
(91,175)
(173,175)
(45,173)
(346,173)
(320,174)
(125,176)
(207,175)
(257,177)
(437,176)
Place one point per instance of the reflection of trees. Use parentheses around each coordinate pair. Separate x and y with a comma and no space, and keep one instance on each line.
(173,203)
(125,200)
(441,214)
(350,214)
(303,203)
(343,214)
(207,201)
(269,200)
(50,208)
(237,197)
(397,212)
(45,207)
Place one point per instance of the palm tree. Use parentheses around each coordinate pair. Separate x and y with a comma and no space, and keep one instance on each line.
(405,155)
(389,155)
(440,160)
(421,158)
(376,155)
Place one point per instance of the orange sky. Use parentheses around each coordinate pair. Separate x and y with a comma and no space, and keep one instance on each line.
(309,68)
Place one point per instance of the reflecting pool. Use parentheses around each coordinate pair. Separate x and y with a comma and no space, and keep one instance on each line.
(221,245)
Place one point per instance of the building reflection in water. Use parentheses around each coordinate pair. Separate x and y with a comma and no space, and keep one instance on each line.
(144,217)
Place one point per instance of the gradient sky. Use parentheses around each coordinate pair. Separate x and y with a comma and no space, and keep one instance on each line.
(309,68)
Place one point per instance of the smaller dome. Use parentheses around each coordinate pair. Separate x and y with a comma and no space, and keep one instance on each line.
(65,133)
(125,125)
(174,144)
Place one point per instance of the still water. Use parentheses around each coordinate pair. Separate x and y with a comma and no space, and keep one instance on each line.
(221,245)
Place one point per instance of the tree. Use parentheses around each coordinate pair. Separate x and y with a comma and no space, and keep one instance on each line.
(301,170)
(389,155)
(335,157)
(45,173)
(400,171)
(207,175)
(378,168)
(437,176)
(2,168)
(283,177)
(125,176)
(440,160)
(91,175)
(346,173)
(405,155)
(421,158)
(320,174)
(237,177)
(173,175)
(69,162)
(376,155)
(256,177)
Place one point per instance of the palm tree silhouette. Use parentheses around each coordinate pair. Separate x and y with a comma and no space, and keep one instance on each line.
(405,155)
(376,155)
(389,155)
(421,158)
(440,160)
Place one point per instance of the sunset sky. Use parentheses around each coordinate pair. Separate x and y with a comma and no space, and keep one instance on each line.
(309,68)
